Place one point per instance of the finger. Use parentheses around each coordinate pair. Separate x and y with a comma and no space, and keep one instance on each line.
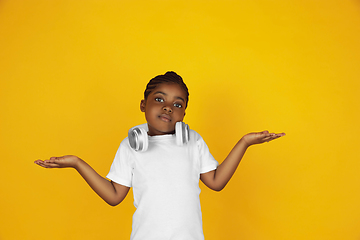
(56,160)
(51,160)
(46,164)
(272,137)
(277,135)
(271,134)
(267,135)
(267,139)
(41,164)
(52,165)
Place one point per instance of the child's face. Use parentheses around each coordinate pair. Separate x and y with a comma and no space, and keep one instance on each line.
(164,107)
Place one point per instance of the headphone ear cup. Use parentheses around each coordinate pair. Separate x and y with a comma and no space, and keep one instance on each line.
(182,133)
(138,139)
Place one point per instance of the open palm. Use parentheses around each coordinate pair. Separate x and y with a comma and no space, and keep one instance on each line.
(59,162)
(261,137)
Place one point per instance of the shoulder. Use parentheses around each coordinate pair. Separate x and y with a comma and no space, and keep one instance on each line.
(193,135)
(125,151)
(124,144)
(196,138)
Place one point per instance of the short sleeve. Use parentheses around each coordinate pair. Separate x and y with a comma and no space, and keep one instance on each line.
(122,167)
(207,161)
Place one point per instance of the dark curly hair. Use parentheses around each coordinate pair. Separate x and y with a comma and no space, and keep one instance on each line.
(168,77)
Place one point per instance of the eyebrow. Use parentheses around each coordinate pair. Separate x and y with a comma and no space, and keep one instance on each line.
(166,95)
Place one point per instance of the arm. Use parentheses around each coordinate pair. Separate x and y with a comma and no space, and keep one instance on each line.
(112,193)
(218,178)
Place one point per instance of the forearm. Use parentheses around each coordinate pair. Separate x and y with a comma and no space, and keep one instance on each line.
(227,168)
(104,188)
(218,178)
(110,192)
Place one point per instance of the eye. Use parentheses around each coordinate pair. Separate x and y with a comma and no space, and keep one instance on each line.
(178,105)
(159,99)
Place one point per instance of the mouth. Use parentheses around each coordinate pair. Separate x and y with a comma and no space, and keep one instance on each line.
(165,118)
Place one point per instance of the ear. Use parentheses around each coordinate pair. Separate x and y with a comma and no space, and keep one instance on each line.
(142,105)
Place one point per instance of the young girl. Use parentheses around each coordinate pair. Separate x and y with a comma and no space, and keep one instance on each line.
(163,173)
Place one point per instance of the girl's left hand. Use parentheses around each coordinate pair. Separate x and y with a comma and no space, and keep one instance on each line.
(260,137)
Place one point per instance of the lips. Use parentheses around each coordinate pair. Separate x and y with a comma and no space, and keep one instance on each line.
(165,117)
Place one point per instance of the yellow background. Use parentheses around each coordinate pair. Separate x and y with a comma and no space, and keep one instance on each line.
(73,74)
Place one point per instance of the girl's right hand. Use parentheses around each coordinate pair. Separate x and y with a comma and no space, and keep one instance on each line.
(59,162)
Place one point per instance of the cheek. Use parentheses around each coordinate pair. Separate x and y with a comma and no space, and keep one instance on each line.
(151,111)
(180,113)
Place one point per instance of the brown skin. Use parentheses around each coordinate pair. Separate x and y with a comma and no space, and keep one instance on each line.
(111,192)
(218,178)
(164,107)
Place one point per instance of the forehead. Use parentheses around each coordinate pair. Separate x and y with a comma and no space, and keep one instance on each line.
(169,89)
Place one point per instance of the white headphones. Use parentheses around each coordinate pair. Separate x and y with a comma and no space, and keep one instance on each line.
(139,140)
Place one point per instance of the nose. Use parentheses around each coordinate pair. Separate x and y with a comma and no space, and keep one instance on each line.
(167,109)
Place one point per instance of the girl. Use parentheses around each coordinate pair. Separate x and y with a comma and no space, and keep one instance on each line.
(163,173)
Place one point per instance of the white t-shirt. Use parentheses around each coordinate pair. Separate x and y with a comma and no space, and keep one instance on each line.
(165,182)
